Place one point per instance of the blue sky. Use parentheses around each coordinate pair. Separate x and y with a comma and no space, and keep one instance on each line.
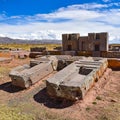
(45,19)
(31,7)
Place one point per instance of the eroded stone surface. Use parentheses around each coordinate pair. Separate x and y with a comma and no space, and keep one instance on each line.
(58,61)
(25,76)
(76,79)
(38,61)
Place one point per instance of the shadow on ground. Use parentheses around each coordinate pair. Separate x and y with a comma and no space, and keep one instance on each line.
(43,98)
(8,87)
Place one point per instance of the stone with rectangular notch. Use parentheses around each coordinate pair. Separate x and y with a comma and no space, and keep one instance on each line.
(73,82)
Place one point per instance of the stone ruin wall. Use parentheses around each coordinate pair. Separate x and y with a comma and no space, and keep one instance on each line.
(106,54)
(110,54)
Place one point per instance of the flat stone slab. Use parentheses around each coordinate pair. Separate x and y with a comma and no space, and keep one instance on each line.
(73,82)
(5,60)
(24,76)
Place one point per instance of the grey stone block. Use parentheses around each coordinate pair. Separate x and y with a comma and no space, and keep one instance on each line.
(76,79)
(24,76)
(58,61)
(38,61)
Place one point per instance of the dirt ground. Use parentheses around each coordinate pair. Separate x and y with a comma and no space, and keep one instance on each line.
(102,102)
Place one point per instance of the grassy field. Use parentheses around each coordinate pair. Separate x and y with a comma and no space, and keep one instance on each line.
(28,46)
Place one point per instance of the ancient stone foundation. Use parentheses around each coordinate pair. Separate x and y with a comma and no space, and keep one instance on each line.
(73,82)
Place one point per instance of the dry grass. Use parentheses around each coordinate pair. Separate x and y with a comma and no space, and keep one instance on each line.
(26,111)
(4,72)
(8,113)
(28,46)
(111,112)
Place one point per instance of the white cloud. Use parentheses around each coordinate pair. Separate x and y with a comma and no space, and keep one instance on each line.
(83,18)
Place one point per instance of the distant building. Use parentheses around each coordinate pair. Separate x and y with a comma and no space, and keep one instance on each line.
(94,42)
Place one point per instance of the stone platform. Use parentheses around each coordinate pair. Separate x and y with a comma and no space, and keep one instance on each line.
(73,82)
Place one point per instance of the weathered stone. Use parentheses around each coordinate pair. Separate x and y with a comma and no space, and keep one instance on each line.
(5,60)
(38,61)
(76,79)
(22,56)
(58,61)
(37,49)
(18,53)
(35,54)
(24,76)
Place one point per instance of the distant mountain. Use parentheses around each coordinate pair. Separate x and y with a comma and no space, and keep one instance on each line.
(34,35)
(7,40)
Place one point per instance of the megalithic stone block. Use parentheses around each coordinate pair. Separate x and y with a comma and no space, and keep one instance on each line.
(73,82)
(24,76)
(38,61)
(58,61)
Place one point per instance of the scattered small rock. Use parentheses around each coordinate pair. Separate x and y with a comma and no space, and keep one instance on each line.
(94,103)
(98,98)
(112,100)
